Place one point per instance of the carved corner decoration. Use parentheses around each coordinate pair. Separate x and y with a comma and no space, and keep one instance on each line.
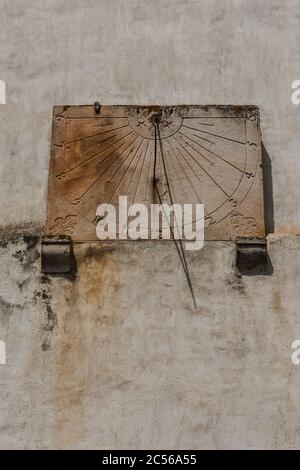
(213,156)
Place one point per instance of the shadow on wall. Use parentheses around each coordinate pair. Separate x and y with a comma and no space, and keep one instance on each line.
(252,256)
(268,190)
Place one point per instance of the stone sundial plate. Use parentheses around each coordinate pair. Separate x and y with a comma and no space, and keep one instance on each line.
(212,155)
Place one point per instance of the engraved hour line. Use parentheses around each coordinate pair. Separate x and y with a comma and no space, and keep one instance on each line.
(197,151)
(183,169)
(119,184)
(132,143)
(139,178)
(243,116)
(203,169)
(97,143)
(197,177)
(115,190)
(99,153)
(122,162)
(171,184)
(122,178)
(149,177)
(215,135)
(84,216)
(208,213)
(213,153)
(101,142)
(170,181)
(100,176)
(137,185)
(160,172)
(136,167)
(118,169)
(98,133)
(202,138)
(205,124)
(234,192)
(102,151)
(173,167)
(173,151)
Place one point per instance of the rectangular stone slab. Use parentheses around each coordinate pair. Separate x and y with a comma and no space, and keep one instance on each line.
(212,156)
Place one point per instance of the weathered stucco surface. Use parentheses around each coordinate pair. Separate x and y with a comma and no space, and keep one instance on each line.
(119,358)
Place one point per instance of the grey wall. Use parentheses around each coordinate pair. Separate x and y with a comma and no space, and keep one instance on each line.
(118,358)
(137,52)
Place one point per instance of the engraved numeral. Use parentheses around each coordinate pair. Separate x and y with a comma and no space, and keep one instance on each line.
(233,202)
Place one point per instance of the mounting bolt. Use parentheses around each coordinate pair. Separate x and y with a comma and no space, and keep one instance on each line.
(155,117)
(97,107)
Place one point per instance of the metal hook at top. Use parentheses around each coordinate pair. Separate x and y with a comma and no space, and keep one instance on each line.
(155,117)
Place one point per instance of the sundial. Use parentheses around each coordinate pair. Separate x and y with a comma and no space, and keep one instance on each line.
(212,155)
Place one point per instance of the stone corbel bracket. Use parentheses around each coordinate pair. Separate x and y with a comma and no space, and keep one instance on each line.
(58,257)
(252,256)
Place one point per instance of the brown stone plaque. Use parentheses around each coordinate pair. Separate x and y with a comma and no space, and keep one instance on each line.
(212,155)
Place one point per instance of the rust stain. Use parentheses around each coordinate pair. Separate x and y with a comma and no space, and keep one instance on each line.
(50,315)
(279,308)
(83,315)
